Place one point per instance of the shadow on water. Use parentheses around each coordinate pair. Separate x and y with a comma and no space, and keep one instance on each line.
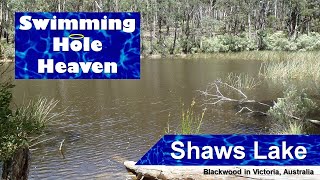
(110,121)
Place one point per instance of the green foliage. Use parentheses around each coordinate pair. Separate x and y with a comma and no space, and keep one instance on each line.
(226,43)
(308,42)
(290,111)
(28,120)
(279,41)
(293,127)
(295,104)
(212,45)
(5,114)
(190,122)
(233,43)
(5,100)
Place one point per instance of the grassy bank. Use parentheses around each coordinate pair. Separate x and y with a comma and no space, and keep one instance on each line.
(255,55)
(305,67)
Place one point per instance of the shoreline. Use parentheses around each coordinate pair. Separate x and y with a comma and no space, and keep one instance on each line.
(242,55)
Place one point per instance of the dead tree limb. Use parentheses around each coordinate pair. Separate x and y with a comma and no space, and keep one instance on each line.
(214,95)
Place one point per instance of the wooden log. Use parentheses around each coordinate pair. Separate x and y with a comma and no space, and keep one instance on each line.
(21,164)
(197,172)
(173,173)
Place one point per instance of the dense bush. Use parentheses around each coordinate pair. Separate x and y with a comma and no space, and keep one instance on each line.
(226,43)
(308,43)
(290,112)
(214,44)
(294,104)
(5,114)
(26,121)
(280,42)
(277,41)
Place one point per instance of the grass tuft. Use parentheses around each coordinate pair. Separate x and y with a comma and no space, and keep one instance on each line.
(191,122)
(293,70)
(242,81)
(34,116)
(292,128)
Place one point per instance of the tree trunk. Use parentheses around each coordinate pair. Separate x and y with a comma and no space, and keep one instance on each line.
(18,167)
(249,26)
(6,169)
(174,39)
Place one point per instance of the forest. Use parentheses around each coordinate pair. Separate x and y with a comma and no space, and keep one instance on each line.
(197,26)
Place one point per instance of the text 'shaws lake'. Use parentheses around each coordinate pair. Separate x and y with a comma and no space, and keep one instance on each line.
(77,44)
(281,152)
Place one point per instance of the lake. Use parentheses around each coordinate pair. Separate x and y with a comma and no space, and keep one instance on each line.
(110,121)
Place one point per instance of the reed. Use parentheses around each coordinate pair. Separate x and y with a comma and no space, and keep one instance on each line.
(300,69)
(294,70)
(292,128)
(191,122)
(35,115)
(242,81)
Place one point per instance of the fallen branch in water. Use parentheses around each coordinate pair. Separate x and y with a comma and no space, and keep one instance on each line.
(251,111)
(61,150)
(61,144)
(214,95)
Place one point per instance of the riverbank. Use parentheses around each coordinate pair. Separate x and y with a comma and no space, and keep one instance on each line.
(244,55)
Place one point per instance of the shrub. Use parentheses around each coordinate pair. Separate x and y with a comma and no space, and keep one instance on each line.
(6,50)
(213,44)
(293,128)
(294,105)
(277,41)
(28,120)
(280,42)
(308,43)
(290,111)
(225,43)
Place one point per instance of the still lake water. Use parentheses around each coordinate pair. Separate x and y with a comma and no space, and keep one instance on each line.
(110,121)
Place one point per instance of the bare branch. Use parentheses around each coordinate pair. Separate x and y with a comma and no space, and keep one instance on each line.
(250,111)
(238,90)
(214,95)
(217,96)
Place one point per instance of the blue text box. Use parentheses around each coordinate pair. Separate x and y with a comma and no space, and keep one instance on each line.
(77,45)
